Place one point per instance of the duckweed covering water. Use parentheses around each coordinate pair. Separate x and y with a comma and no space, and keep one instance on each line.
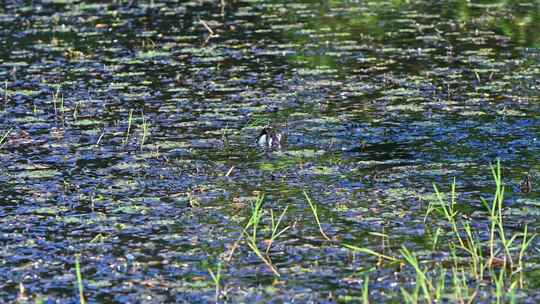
(129,139)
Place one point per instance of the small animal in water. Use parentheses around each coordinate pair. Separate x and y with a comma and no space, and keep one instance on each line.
(526,183)
(269,139)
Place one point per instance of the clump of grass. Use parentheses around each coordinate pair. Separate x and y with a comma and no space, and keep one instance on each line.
(491,260)
(251,237)
(256,215)
(251,229)
(503,266)
(275,228)
(144,128)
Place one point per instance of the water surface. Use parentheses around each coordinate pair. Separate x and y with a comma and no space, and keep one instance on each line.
(377,100)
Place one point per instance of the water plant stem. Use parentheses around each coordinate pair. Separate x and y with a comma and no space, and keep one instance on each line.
(79,279)
(365,290)
(266,260)
(3,138)
(316,215)
(371,252)
(216,278)
(130,119)
(145,130)
(275,226)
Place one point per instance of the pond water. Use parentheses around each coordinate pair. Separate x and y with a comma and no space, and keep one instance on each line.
(129,138)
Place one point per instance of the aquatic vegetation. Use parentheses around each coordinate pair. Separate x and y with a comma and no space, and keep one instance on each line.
(250,233)
(58,102)
(475,256)
(4,136)
(365,290)
(371,252)
(130,120)
(255,218)
(80,287)
(129,129)
(76,110)
(216,278)
(145,129)
(315,213)
(275,228)
(251,237)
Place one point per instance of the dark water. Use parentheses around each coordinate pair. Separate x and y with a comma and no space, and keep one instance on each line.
(377,100)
